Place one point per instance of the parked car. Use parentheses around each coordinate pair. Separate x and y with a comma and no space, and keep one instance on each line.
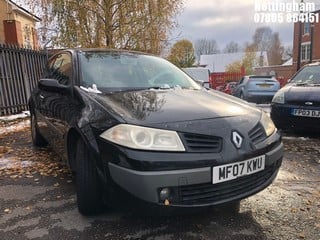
(229,87)
(296,106)
(258,89)
(134,121)
(220,88)
(200,74)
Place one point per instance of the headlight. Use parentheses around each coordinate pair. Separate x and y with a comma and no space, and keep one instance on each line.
(267,124)
(144,138)
(278,97)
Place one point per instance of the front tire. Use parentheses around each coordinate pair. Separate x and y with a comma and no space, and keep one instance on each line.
(88,186)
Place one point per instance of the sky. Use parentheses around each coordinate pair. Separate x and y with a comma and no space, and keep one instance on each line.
(234,20)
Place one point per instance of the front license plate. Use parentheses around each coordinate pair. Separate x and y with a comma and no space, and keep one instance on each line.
(305,113)
(231,171)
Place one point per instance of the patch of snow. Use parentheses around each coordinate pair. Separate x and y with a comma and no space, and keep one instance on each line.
(92,89)
(24,114)
(11,162)
(15,127)
(295,138)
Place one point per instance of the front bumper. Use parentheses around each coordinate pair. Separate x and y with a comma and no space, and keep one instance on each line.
(193,187)
(283,119)
(260,97)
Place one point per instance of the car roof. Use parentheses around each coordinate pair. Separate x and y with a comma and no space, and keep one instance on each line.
(111,50)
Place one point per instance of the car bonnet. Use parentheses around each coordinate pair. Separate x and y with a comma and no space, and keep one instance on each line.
(149,107)
(297,93)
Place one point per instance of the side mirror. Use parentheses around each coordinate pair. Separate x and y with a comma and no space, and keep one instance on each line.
(52,85)
(206,85)
(200,82)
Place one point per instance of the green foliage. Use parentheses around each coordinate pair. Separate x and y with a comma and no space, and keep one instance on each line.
(142,25)
(182,54)
(248,62)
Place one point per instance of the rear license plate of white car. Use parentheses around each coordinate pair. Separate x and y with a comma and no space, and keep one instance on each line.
(305,113)
(232,171)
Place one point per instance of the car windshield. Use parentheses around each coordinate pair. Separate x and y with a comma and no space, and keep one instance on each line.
(308,75)
(123,71)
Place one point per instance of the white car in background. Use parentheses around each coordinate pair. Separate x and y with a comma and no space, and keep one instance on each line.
(200,74)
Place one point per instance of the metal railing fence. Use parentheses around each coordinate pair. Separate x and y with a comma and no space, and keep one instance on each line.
(20,69)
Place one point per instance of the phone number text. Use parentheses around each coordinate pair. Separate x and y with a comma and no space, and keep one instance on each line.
(280,17)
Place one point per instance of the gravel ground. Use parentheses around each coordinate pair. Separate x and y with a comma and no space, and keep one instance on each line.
(290,207)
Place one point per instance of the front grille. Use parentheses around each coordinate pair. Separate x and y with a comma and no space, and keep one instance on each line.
(257,134)
(222,192)
(201,143)
(303,103)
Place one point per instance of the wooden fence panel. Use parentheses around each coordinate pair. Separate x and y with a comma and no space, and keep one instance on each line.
(20,69)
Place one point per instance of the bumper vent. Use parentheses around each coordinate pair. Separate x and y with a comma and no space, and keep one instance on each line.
(201,143)
(257,134)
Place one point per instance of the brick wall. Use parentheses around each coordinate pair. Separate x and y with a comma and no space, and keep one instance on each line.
(17,26)
(306,38)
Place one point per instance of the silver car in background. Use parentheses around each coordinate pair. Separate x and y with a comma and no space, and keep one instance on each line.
(258,89)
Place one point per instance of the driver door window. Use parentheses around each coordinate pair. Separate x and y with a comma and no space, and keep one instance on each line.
(60,68)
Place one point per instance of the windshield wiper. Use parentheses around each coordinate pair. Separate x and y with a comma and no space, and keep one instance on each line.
(302,84)
(307,84)
(160,87)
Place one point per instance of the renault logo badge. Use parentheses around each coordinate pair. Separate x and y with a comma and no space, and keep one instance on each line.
(237,139)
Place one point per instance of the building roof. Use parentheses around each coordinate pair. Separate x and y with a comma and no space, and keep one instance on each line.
(288,62)
(219,62)
(16,7)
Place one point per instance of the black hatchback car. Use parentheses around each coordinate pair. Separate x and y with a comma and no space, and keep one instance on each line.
(297,105)
(136,122)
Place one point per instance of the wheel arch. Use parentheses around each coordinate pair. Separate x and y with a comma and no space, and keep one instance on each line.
(72,138)
(86,135)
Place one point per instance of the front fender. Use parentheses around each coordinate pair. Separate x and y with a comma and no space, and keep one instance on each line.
(86,134)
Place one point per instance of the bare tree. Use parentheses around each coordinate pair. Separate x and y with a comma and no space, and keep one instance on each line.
(262,39)
(276,50)
(266,40)
(205,47)
(232,47)
(287,53)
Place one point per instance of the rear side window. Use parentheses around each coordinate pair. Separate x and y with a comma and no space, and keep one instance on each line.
(241,81)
